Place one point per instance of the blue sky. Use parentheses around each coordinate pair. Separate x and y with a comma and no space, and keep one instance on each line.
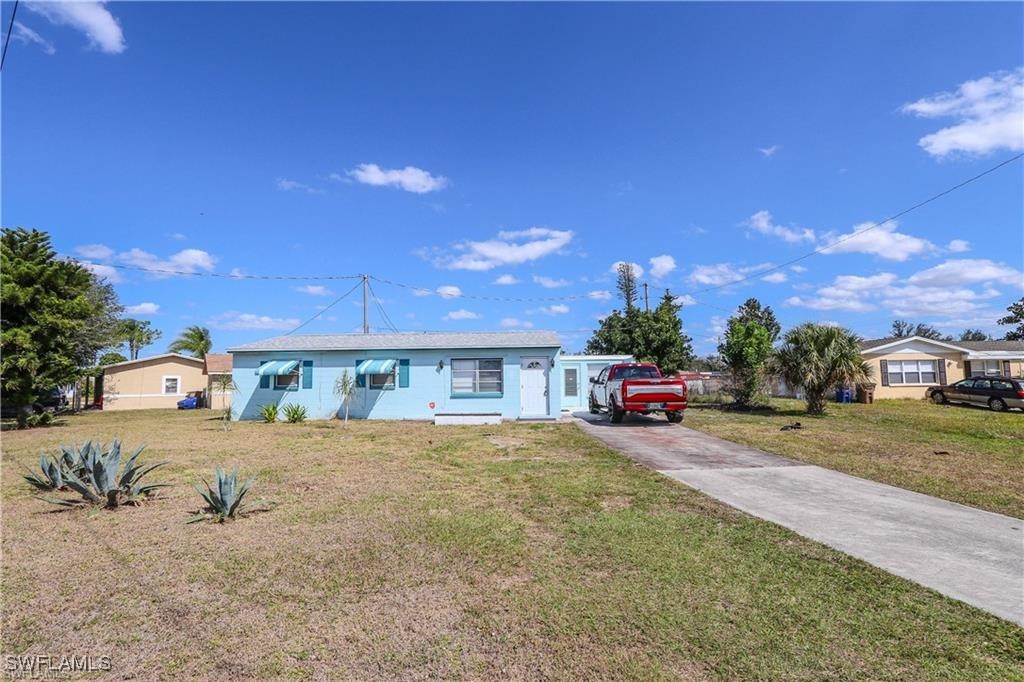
(518,152)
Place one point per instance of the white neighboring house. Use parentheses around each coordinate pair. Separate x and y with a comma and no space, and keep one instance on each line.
(153,382)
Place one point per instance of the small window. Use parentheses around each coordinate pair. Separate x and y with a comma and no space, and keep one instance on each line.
(912,372)
(471,376)
(288,382)
(171,385)
(1000,385)
(380,382)
(983,384)
(572,381)
(985,368)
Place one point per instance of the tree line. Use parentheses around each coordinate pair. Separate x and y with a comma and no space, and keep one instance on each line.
(59,322)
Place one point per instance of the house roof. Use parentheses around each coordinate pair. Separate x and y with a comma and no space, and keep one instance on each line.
(218,363)
(963,346)
(163,356)
(404,341)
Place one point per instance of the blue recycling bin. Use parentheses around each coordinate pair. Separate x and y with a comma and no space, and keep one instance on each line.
(844,395)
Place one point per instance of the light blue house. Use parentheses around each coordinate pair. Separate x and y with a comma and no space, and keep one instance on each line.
(412,375)
(577,370)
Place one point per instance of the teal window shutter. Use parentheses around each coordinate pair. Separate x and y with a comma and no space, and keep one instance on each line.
(403,374)
(307,374)
(265,379)
(360,378)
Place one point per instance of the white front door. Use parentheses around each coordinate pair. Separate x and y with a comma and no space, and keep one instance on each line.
(533,387)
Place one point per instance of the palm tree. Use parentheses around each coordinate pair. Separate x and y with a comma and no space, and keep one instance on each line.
(195,340)
(137,334)
(344,389)
(818,358)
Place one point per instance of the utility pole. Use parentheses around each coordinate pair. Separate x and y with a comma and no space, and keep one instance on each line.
(647,299)
(366,316)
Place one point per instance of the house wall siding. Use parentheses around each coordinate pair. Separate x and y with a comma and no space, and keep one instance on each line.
(954,372)
(140,386)
(427,384)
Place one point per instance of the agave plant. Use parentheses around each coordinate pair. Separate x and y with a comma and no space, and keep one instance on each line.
(52,478)
(100,479)
(269,412)
(224,499)
(295,413)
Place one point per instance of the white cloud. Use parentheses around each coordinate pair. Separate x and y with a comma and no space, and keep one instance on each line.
(146,308)
(516,323)
(599,295)
(769,152)
(915,301)
(509,248)
(797,268)
(824,303)
(883,241)
(685,299)
(989,112)
(962,271)
(233,320)
(637,269)
(236,273)
(847,292)
(762,222)
(410,178)
(776,277)
(723,273)
(449,291)
(23,34)
(186,261)
(95,251)
(423,292)
(555,309)
(550,283)
(178,236)
(315,290)
(958,246)
(91,18)
(286,185)
(462,314)
(506,280)
(103,271)
(662,265)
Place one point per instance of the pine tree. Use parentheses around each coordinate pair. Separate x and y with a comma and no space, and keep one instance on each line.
(751,311)
(51,312)
(1015,317)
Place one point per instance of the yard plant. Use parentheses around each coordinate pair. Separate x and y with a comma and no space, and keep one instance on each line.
(269,412)
(817,358)
(95,473)
(223,498)
(294,413)
(344,389)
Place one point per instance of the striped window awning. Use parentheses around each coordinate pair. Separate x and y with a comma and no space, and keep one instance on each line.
(277,367)
(376,366)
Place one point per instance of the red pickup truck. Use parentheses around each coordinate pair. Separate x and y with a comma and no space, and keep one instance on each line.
(637,387)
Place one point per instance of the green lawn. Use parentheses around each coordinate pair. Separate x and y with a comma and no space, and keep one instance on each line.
(404,550)
(965,454)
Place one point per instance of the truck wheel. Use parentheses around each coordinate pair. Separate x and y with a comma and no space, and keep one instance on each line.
(675,417)
(594,409)
(617,414)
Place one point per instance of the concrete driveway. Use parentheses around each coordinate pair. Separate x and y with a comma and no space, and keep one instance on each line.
(968,554)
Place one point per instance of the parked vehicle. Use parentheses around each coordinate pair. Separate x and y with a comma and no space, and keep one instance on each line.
(637,387)
(191,401)
(996,393)
(54,400)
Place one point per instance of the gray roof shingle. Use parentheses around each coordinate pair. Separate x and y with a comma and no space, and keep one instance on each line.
(969,345)
(404,341)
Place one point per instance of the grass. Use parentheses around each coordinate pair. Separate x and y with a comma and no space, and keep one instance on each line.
(404,550)
(964,454)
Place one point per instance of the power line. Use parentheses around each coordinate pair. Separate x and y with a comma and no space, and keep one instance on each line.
(7,40)
(325,309)
(858,233)
(380,307)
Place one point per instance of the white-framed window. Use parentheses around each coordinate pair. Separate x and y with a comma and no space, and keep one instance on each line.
(170,385)
(912,372)
(289,381)
(986,368)
(380,382)
(572,381)
(477,375)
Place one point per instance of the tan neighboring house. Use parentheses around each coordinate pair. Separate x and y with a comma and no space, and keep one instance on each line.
(905,368)
(157,381)
(217,365)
